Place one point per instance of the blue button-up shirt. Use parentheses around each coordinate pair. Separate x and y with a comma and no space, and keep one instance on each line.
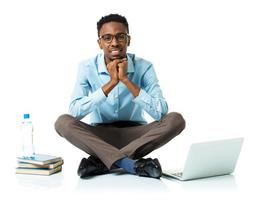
(120,104)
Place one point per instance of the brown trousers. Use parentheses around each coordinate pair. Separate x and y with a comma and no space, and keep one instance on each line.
(111,142)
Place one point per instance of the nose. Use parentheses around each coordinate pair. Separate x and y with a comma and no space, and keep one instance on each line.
(114,42)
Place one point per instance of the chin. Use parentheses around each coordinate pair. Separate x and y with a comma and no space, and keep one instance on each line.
(117,57)
(111,58)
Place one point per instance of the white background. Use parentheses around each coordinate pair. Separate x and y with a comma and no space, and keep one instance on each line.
(203,53)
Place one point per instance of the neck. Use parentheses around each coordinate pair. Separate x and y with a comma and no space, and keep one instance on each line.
(107,60)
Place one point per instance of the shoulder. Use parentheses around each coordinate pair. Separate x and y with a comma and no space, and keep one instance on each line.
(138,60)
(140,64)
(87,68)
(89,63)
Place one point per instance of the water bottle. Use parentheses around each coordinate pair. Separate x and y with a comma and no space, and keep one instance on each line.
(28,150)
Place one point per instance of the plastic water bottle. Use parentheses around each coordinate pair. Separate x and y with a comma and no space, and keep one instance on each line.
(28,150)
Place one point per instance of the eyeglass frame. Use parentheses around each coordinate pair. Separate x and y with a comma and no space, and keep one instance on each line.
(115,36)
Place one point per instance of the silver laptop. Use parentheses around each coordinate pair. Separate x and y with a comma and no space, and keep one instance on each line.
(209,159)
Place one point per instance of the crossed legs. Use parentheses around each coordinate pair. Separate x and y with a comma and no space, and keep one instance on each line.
(110,143)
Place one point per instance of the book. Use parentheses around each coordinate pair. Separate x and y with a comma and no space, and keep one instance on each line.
(40,159)
(38,171)
(46,166)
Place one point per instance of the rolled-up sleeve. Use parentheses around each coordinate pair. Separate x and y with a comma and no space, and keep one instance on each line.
(150,97)
(83,101)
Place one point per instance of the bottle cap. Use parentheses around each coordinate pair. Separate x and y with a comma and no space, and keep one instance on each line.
(26,116)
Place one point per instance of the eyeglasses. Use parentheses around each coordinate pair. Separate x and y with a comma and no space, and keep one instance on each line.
(120,37)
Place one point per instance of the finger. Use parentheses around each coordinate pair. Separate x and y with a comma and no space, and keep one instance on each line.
(120,65)
(120,60)
(124,63)
(112,64)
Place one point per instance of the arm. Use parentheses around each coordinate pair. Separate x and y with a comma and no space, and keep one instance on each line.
(122,75)
(82,101)
(150,98)
(113,72)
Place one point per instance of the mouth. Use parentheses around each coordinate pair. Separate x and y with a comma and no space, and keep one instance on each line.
(116,52)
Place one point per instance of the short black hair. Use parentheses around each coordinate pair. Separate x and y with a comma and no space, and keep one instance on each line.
(112,18)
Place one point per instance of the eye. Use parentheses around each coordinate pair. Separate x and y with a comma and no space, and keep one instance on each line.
(107,37)
(121,36)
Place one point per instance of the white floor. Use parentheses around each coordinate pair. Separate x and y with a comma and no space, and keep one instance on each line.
(67,185)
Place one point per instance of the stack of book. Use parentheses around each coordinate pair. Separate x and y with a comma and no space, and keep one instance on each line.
(40,165)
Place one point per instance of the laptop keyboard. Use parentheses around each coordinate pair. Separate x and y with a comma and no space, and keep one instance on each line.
(179,174)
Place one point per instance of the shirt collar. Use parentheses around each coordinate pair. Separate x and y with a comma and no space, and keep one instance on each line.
(102,68)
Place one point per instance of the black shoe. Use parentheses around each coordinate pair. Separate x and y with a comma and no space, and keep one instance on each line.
(91,167)
(148,167)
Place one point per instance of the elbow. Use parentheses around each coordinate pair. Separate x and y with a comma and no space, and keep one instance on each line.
(77,111)
(162,112)
(158,116)
(164,109)
(73,110)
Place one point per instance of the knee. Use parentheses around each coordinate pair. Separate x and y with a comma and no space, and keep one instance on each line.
(63,123)
(176,120)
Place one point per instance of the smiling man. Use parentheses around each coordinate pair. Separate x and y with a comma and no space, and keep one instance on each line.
(115,88)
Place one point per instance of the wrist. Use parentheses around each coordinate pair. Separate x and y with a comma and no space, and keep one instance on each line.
(114,82)
(125,80)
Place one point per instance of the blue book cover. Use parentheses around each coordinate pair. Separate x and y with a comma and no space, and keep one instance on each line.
(40,159)
(47,166)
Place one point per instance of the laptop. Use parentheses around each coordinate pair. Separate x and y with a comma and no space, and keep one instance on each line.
(208,159)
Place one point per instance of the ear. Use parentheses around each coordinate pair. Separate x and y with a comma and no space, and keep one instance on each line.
(128,41)
(99,43)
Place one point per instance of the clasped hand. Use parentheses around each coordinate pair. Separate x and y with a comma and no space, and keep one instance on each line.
(118,69)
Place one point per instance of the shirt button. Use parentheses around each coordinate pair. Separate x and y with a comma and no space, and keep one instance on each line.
(116,111)
(115,96)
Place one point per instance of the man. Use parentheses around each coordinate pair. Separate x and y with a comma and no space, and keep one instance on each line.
(115,88)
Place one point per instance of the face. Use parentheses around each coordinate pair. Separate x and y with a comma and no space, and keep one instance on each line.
(117,48)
